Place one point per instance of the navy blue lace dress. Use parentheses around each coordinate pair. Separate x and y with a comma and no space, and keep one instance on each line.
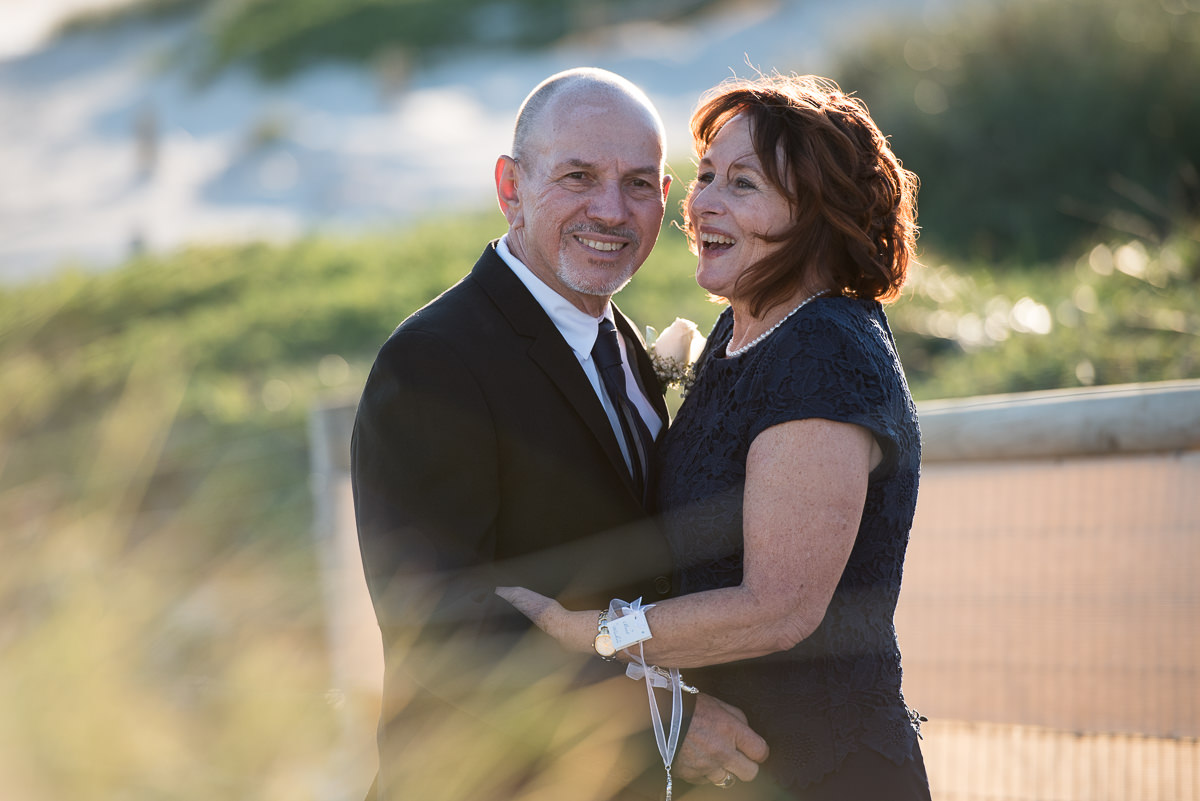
(839,690)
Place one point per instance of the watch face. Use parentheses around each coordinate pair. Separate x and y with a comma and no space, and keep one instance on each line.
(604,645)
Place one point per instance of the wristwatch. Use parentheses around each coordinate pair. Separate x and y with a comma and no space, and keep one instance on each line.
(603,642)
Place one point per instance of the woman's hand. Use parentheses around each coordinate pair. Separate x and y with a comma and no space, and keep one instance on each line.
(533,605)
(575,631)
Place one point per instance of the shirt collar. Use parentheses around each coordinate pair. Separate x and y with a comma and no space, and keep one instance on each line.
(577,327)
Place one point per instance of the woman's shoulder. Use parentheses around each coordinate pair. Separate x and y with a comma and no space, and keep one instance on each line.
(838,362)
(846,312)
(839,325)
(836,341)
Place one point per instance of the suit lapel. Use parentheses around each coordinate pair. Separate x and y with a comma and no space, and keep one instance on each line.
(549,351)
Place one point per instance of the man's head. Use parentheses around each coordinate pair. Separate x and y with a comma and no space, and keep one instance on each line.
(585,188)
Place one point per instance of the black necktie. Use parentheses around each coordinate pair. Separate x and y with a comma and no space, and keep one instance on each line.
(638,441)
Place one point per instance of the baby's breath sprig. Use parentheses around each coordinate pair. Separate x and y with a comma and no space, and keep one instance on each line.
(673,354)
(672,374)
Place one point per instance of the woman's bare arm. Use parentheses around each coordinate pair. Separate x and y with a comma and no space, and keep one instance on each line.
(806,482)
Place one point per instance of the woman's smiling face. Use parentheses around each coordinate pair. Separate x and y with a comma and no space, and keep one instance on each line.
(731,206)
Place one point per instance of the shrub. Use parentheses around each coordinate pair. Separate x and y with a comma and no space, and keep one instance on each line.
(1041,125)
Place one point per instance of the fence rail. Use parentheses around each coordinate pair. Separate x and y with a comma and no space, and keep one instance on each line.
(1162,417)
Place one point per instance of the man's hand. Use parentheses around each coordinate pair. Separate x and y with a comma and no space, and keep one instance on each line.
(719,742)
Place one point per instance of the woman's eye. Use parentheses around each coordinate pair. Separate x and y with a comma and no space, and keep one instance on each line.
(704,178)
(744,183)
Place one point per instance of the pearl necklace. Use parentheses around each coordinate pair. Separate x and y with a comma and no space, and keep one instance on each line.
(739,351)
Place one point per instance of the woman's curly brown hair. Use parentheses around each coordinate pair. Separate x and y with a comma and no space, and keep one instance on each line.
(853,204)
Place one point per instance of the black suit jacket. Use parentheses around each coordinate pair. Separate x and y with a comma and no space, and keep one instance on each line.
(482,457)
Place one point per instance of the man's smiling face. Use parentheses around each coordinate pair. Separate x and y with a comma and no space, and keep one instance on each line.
(592,196)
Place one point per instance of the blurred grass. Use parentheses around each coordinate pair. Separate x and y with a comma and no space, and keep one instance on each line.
(141,659)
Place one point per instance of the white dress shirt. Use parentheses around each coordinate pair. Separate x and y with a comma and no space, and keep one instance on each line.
(579,329)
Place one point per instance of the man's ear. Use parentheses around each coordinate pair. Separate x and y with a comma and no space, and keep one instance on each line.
(666,187)
(507,191)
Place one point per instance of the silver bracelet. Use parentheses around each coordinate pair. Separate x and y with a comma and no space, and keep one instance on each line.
(683,685)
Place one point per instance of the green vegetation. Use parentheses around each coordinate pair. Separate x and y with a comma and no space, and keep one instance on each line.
(1116,314)
(1038,127)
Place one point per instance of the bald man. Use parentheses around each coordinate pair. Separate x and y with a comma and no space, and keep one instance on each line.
(488,451)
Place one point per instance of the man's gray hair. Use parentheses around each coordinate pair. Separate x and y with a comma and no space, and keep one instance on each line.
(601,81)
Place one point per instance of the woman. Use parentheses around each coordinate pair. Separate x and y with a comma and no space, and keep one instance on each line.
(788,481)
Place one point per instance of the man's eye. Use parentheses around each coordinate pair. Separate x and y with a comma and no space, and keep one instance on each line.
(575,176)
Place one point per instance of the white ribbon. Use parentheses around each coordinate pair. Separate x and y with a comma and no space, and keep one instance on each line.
(637,672)
(667,743)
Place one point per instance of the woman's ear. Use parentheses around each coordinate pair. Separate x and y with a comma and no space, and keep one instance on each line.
(508,191)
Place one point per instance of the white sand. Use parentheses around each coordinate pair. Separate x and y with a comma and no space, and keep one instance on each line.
(104,150)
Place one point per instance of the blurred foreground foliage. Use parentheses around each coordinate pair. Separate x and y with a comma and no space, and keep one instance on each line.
(1039,126)
(161,601)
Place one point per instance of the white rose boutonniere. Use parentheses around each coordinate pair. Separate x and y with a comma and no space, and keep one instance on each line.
(674,353)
